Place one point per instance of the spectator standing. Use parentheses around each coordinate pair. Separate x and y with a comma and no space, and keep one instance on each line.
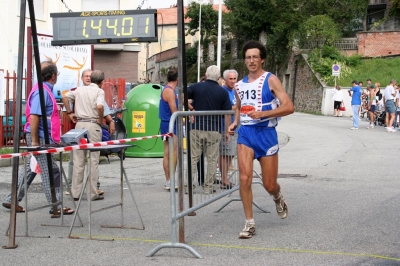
(88,114)
(388,104)
(355,94)
(207,96)
(337,99)
(397,102)
(168,106)
(228,149)
(371,106)
(35,136)
(262,101)
(370,84)
(200,163)
(111,127)
(378,91)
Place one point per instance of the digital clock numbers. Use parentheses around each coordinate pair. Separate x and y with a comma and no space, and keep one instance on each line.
(121,26)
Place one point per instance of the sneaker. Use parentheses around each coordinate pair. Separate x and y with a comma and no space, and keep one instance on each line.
(67,192)
(208,191)
(248,231)
(281,207)
(186,188)
(390,129)
(167,185)
(371,127)
(354,128)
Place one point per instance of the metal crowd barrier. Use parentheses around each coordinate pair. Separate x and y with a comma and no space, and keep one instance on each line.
(198,183)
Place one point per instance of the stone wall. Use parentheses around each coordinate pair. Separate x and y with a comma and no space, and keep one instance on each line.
(303,86)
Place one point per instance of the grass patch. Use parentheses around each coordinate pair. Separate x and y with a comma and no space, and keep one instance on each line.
(353,67)
(65,157)
(6,150)
(380,70)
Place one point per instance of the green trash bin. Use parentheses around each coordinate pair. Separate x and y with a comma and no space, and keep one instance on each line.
(141,120)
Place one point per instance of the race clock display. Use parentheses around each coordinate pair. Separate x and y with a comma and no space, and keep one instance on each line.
(95,27)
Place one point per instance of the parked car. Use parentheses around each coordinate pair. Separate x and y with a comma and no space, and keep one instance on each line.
(8,120)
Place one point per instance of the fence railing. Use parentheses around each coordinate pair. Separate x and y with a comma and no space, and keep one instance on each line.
(342,44)
(7,121)
(114,95)
(194,190)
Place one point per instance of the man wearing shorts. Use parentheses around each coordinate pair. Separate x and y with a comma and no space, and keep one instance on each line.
(371,106)
(228,148)
(388,104)
(168,105)
(262,101)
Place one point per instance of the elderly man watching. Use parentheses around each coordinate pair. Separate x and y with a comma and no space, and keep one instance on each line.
(88,114)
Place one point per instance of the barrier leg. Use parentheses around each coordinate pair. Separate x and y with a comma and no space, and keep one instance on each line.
(174,245)
(254,181)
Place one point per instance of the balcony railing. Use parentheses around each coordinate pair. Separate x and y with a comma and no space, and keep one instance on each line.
(342,44)
(377,2)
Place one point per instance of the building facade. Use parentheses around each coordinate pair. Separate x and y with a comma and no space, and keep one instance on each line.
(116,60)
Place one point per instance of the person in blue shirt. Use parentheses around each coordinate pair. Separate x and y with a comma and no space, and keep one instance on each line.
(35,137)
(355,94)
(228,148)
(168,106)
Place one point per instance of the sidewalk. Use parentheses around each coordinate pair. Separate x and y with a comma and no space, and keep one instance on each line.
(341,186)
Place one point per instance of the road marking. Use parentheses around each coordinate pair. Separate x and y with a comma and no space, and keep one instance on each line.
(288,250)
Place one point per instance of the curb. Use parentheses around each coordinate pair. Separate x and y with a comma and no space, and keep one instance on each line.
(8,162)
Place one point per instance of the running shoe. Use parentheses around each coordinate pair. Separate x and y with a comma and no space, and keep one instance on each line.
(167,185)
(281,207)
(248,231)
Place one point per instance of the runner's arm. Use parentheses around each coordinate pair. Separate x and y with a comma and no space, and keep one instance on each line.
(285,104)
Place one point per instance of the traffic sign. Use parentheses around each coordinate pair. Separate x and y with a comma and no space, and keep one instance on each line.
(335,70)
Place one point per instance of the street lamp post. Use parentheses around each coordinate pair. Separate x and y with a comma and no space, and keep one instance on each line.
(219,35)
(199,48)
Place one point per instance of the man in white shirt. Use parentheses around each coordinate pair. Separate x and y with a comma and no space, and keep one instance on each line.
(388,104)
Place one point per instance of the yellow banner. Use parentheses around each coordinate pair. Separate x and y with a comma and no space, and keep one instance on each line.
(138,121)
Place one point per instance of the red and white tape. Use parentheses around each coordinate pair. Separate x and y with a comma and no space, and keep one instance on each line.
(81,146)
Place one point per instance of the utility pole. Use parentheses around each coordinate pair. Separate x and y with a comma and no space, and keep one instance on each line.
(199,48)
(219,35)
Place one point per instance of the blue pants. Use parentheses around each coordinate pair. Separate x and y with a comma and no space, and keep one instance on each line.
(355,115)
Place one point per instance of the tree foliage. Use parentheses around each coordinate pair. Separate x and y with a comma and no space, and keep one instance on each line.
(209,20)
(281,20)
(395,8)
(321,27)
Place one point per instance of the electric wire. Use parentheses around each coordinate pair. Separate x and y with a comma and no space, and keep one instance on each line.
(69,10)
